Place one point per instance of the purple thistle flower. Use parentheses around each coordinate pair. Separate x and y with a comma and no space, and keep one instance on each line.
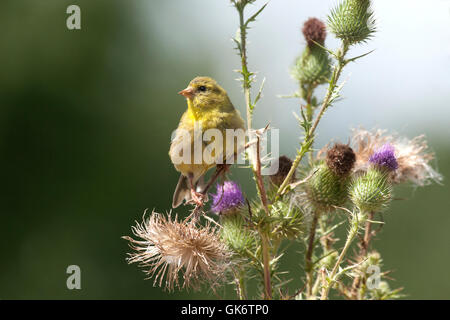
(229,196)
(384,157)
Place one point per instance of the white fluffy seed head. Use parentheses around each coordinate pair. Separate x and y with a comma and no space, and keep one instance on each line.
(165,248)
(413,156)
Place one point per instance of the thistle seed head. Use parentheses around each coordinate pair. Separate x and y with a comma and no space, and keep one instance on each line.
(413,156)
(166,247)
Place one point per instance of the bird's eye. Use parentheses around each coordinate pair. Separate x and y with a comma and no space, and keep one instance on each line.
(202,88)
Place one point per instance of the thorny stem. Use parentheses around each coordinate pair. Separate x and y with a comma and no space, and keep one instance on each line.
(264,238)
(331,278)
(367,235)
(325,250)
(245,73)
(316,285)
(309,136)
(259,180)
(309,111)
(309,106)
(308,259)
(257,169)
(240,285)
(364,246)
(333,83)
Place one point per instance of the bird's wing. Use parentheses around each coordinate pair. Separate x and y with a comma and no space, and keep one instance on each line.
(232,120)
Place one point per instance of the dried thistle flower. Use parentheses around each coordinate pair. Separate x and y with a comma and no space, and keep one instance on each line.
(314,30)
(413,156)
(313,67)
(165,247)
(340,159)
(228,198)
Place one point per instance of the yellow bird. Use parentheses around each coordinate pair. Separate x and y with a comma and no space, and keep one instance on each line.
(208,105)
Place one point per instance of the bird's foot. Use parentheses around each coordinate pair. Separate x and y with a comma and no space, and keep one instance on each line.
(198,198)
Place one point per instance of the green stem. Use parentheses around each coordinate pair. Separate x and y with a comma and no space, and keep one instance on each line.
(241,286)
(266,260)
(364,246)
(265,244)
(245,73)
(308,258)
(310,112)
(309,137)
(257,168)
(351,235)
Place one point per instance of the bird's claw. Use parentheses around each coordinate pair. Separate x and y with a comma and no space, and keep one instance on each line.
(198,198)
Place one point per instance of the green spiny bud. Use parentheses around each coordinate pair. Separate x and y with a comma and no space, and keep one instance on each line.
(236,235)
(240,4)
(326,189)
(384,292)
(352,21)
(373,259)
(372,191)
(383,289)
(287,221)
(313,67)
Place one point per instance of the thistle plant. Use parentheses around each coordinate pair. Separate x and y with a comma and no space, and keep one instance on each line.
(240,240)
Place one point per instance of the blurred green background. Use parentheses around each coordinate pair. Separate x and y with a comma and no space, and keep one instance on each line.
(86,118)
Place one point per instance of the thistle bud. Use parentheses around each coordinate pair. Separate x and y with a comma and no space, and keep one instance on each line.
(313,67)
(326,189)
(372,191)
(352,21)
(287,220)
(228,199)
(341,159)
(236,235)
(284,166)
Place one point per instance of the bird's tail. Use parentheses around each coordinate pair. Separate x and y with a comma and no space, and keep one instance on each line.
(183,190)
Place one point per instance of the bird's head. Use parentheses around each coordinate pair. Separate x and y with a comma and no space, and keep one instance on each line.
(205,93)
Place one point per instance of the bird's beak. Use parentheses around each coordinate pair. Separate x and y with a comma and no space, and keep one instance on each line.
(188,92)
